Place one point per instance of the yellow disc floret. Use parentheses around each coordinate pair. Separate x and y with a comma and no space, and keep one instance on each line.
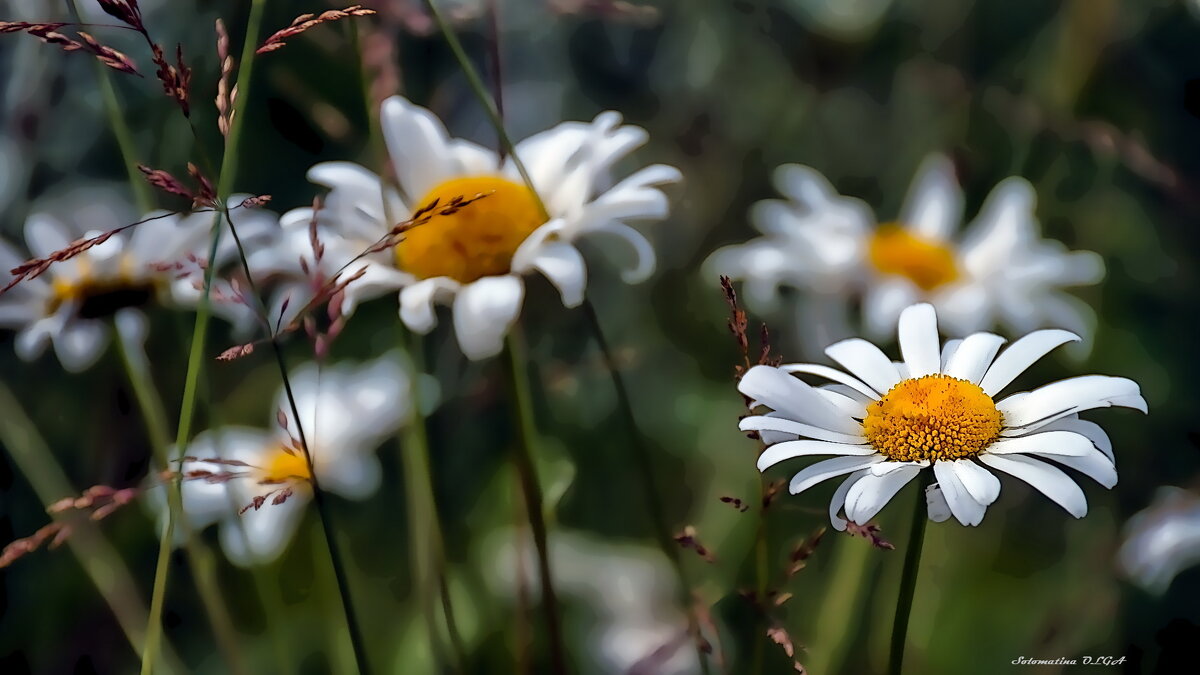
(284,466)
(927,263)
(936,417)
(478,240)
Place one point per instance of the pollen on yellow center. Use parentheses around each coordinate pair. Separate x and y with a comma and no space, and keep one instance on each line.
(477,241)
(927,263)
(935,417)
(283,467)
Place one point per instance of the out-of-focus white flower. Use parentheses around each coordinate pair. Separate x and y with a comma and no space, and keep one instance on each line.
(631,595)
(998,271)
(346,411)
(841,18)
(886,421)
(1162,540)
(475,258)
(69,305)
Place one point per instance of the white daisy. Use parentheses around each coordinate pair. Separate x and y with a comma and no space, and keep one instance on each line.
(1162,540)
(998,271)
(936,409)
(476,258)
(70,304)
(346,412)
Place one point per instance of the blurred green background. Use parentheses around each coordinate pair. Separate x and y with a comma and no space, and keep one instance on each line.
(1094,101)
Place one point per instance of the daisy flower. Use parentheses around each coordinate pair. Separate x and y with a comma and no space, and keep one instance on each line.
(999,270)
(935,410)
(1162,540)
(476,258)
(70,305)
(346,412)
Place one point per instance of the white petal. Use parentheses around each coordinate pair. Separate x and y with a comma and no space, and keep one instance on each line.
(1020,355)
(980,483)
(44,235)
(831,374)
(824,470)
(791,449)
(918,337)
(1089,430)
(948,349)
(484,311)
(1059,399)
(354,476)
(644,259)
(263,534)
(883,303)
(935,504)
(784,425)
(80,344)
(866,362)
(965,508)
(564,267)
(418,145)
(839,499)
(417,301)
(776,389)
(935,202)
(1050,481)
(872,493)
(971,359)
(1094,465)
(1046,442)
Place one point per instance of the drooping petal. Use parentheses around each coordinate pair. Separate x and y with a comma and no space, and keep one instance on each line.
(839,500)
(1020,355)
(935,504)
(562,264)
(980,483)
(866,497)
(484,311)
(1092,431)
(918,337)
(824,470)
(417,302)
(1059,399)
(962,504)
(1094,464)
(79,344)
(1048,480)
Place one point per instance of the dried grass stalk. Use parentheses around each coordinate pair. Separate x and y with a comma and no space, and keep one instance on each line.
(306,21)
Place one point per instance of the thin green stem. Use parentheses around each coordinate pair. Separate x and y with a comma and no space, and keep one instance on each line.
(200,328)
(426,541)
(522,459)
(101,562)
(475,82)
(651,490)
(120,128)
(761,577)
(199,557)
(908,581)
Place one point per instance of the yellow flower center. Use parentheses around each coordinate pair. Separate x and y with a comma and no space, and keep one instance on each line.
(477,241)
(284,467)
(927,263)
(932,417)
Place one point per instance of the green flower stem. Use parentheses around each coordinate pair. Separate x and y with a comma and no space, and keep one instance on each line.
(200,558)
(908,581)
(95,554)
(426,541)
(475,82)
(652,493)
(523,463)
(200,332)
